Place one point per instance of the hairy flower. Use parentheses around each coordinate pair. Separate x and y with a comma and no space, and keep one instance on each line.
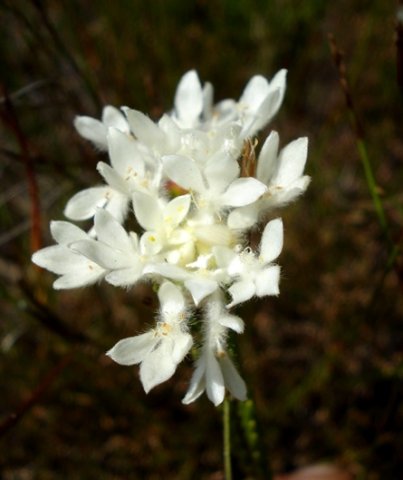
(160,350)
(190,186)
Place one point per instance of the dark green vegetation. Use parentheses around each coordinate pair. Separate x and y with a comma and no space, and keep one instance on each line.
(324,361)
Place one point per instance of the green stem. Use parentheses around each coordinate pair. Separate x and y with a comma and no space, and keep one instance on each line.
(227,438)
(370,178)
(253,439)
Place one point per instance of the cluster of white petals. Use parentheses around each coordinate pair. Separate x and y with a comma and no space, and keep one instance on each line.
(195,186)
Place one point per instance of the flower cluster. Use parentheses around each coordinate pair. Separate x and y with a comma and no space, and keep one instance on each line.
(196,186)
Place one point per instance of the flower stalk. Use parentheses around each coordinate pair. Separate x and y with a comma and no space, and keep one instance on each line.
(227,438)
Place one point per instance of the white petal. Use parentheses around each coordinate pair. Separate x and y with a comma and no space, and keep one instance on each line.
(66,232)
(112,178)
(58,259)
(241,291)
(272,241)
(268,104)
(267,162)
(144,128)
(183,171)
(111,232)
(124,154)
(173,133)
(158,366)
(225,111)
(289,194)
(171,300)
(292,161)
(150,243)
(112,117)
(216,234)
(92,130)
(84,204)
(101,254)
(233,381)
(132,350)
(176,210)
(117,206)
(148,210)
(278,82)
(263,114)
(182,344)
(243,191)
(255,92)
(223,256)
(124,277)
(189,99)
(267,281)
(166,270)
(237,267)
(208,94)
(233,322)
(220,171)
(200,288)
(197,382)
(214,381)
(80,278)
(243,217)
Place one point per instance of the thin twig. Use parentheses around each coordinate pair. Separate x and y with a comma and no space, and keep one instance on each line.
(26,90)
(338,59)
(49,319)
(399,46)
(393,247)
(35,396)
(39,6)
(10,119)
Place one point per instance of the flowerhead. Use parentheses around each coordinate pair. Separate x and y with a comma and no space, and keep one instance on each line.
(193,185)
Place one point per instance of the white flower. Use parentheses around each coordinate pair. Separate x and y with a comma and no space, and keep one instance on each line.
(214,369)
(179,181)
(260,101)
(132,169)
(257,105)
(255,275)
(85,203)
(216,184)
(188,101)
(114,250)
(75,269)
(95,130)
(282,173)
(160,350)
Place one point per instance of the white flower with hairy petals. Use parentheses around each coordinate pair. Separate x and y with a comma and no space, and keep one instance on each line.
(255,275)
(75,269)
(160,350)
(115,250)
(96,130)
(282,173)
(190,185)
(214,369)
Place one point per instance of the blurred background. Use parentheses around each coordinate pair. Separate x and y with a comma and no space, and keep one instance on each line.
(324,360)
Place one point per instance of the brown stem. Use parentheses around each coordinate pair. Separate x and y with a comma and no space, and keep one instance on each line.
(36,395)
(10,119)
